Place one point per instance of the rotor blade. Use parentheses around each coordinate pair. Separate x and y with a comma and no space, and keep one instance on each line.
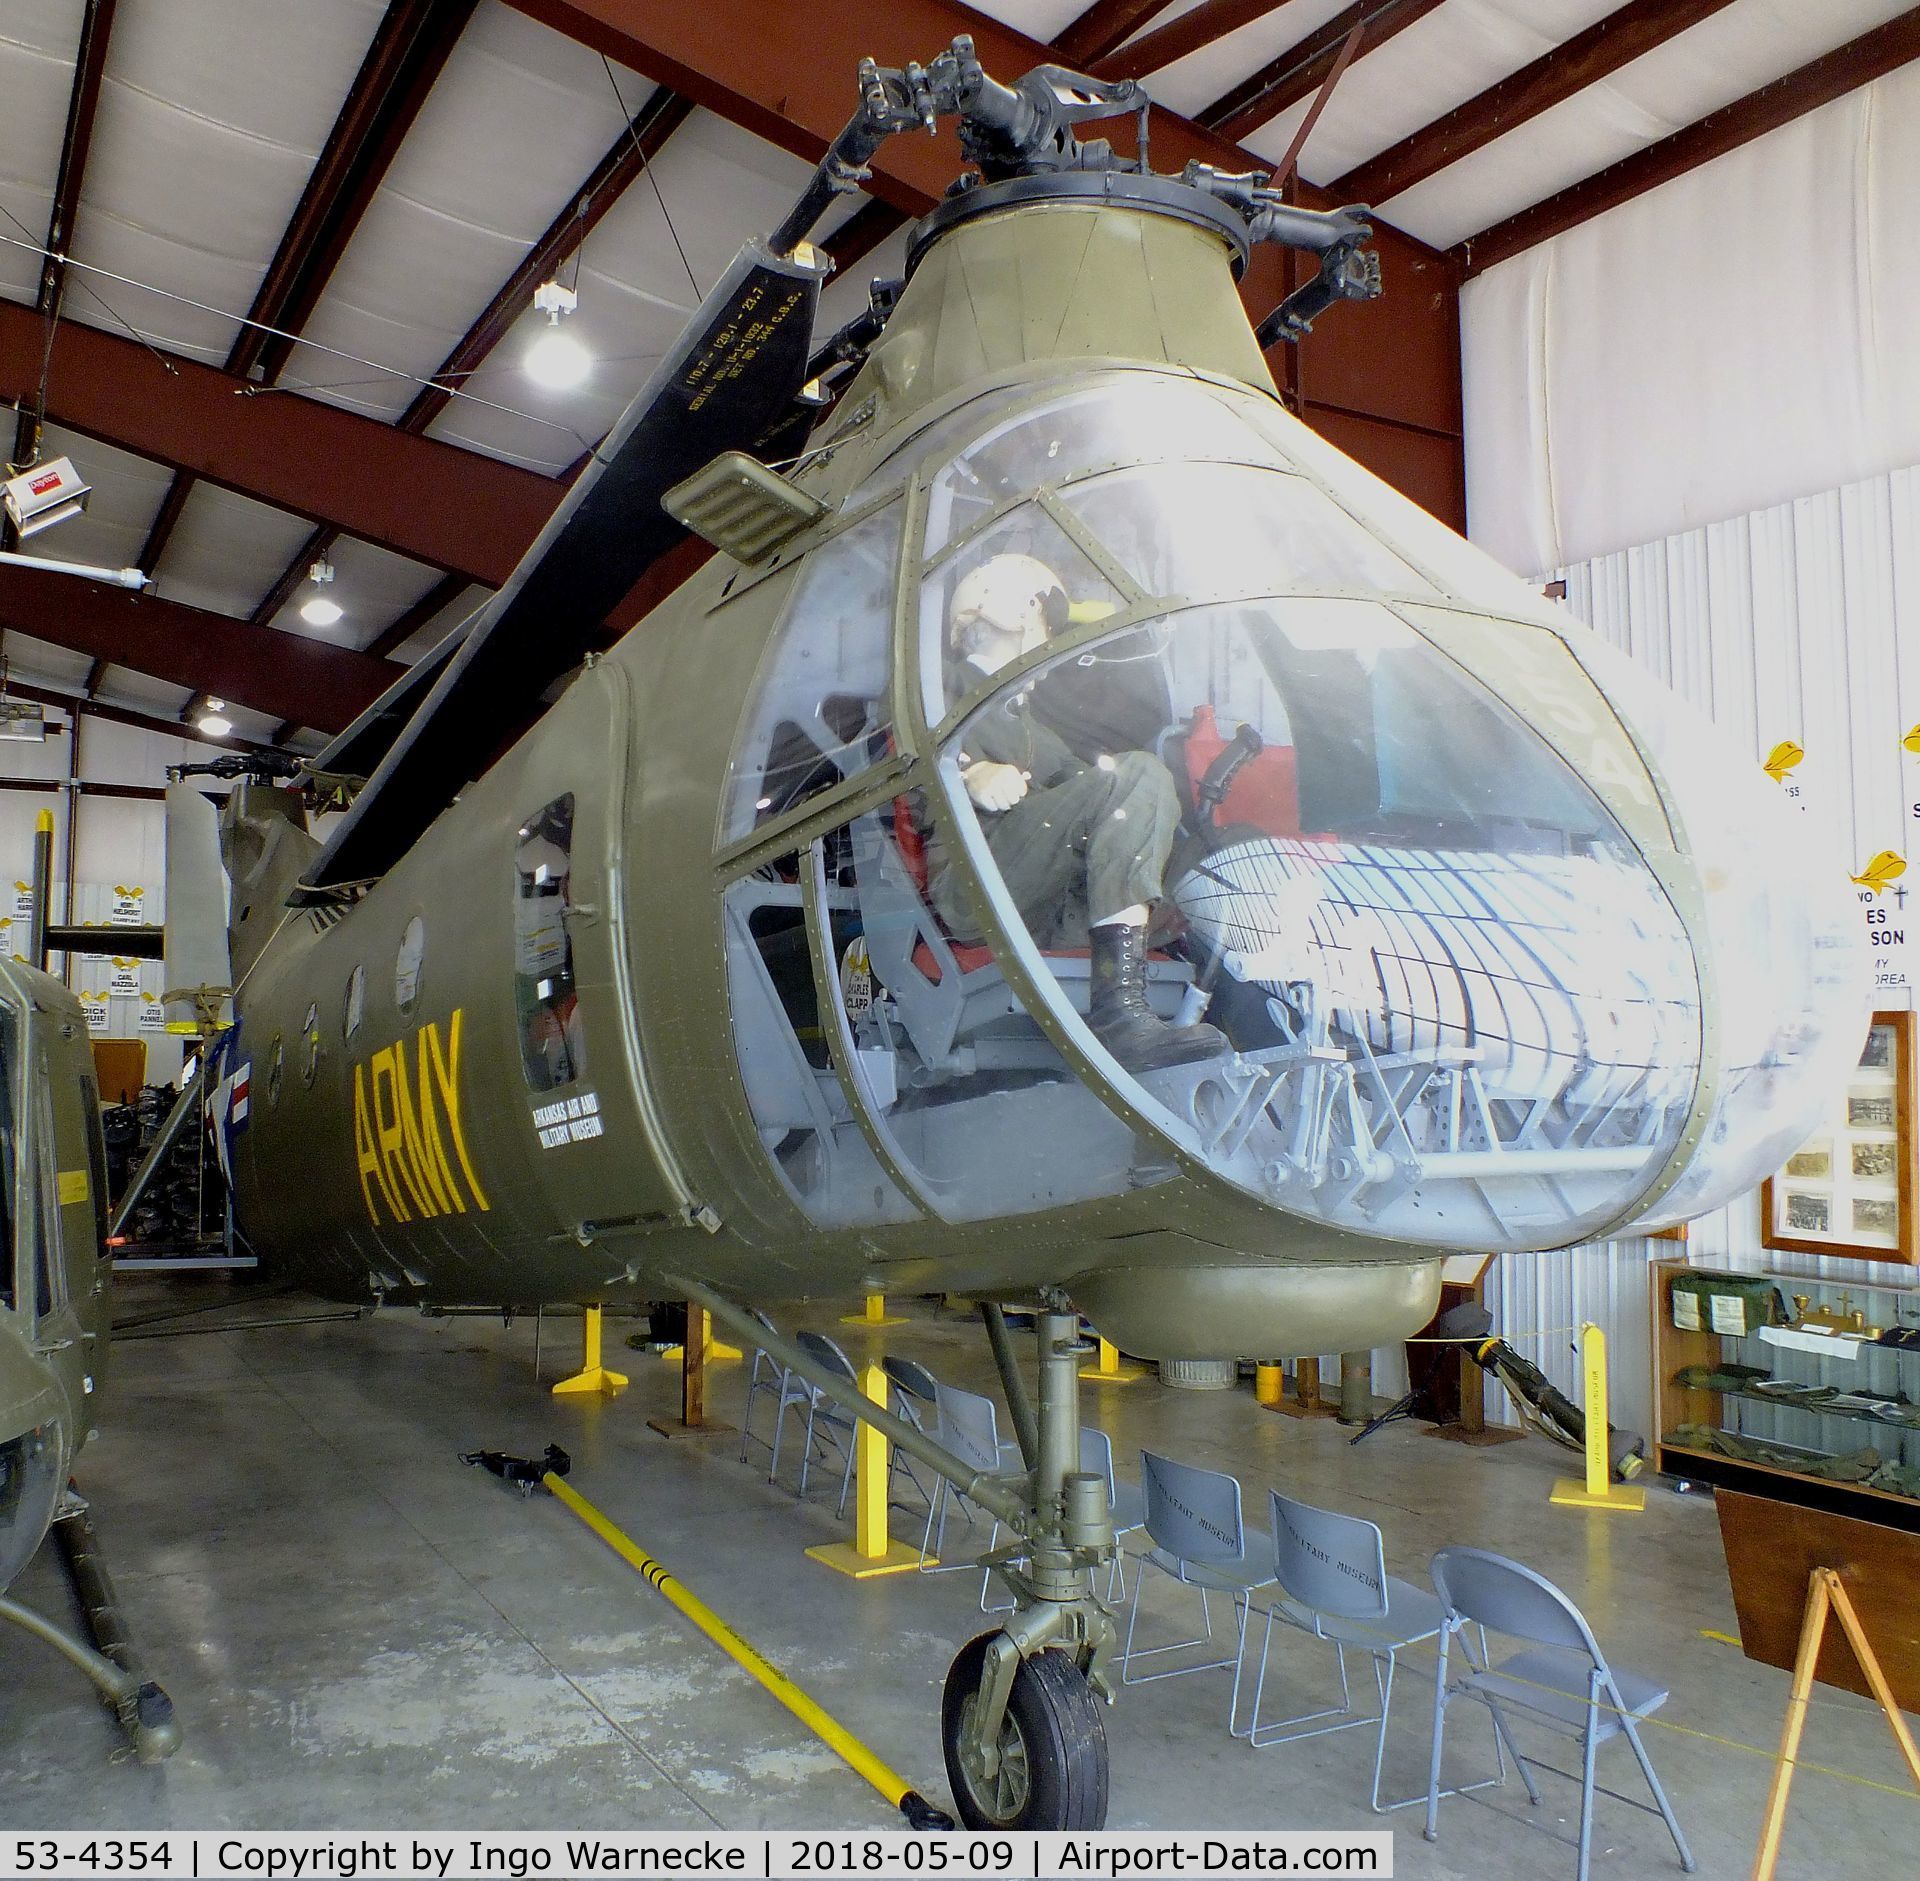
(355,751)
(733,375)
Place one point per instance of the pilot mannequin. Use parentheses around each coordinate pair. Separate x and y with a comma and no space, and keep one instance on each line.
(1059,826)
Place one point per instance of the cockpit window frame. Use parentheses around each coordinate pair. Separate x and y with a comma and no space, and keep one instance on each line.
(923,722)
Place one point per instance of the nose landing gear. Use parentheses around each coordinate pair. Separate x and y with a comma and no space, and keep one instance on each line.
(1020,1718)
(1050,1767)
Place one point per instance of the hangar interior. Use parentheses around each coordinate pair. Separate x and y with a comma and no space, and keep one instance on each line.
(332,305)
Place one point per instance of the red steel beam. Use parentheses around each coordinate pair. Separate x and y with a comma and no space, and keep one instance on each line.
(409,51)
(283,675)
(124,715)
(410,48)
(1166,45)
(1101,29)
(437,503)
(1301,70)
(1860,61)
(1626,34)
(786,73)
(83,102)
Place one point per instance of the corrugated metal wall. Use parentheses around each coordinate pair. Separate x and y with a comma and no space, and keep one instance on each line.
(1800,622)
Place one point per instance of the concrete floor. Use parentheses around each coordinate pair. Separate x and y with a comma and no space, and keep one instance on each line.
(360,1632)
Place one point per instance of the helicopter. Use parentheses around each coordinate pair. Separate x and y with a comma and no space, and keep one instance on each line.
(755,956)
(54,1332)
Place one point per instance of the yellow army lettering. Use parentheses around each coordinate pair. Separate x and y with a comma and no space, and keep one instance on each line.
(398,1146)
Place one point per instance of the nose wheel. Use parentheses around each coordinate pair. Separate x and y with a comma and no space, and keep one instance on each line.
(1051,1769)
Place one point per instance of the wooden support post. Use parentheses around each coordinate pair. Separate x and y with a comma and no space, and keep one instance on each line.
(716,1351)
(1109,1370)
(872,1551)
(694,1350)
(1306,1400)
(873,1313)
(1598,1490)
(592,1376)
(1826,1592)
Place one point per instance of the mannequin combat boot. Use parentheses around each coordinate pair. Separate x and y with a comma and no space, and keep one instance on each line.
(1118,1012)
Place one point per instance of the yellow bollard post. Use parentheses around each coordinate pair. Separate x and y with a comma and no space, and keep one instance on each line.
(1270,1384)
(1109,1371)
(873,1313)
(871,1551)
(1598,1490)
(592,1375)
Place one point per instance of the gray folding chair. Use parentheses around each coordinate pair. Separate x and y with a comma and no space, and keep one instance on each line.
(1124,1502)
(826,1423)
(1334,1586)
(915,1399)
(1564,1683)
(767,1377)
(1193,1523)
(970,1428)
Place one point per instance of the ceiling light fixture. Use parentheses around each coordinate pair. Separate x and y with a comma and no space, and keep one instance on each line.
(318,611)
(212,719)
(556,360)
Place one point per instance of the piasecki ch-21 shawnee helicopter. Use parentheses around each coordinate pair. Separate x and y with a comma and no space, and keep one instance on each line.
(1082,840)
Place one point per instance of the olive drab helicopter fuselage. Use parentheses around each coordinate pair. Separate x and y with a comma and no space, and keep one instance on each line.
(719,983)
(54,1328)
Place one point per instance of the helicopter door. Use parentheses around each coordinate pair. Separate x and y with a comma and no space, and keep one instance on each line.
(571,1015)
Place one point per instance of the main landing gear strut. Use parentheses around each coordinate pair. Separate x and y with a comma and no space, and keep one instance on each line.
(1020,1717)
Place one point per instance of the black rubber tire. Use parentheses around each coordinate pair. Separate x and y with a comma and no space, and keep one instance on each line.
(1060,1728)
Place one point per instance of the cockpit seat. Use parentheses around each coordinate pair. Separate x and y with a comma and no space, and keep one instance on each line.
(1265,791)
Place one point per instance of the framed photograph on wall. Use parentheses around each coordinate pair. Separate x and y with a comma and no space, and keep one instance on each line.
(1849,1189)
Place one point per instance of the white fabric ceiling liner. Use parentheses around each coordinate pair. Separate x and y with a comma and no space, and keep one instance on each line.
(516,121)
(210,117)
(1736,338)
(38,41)
(213,111)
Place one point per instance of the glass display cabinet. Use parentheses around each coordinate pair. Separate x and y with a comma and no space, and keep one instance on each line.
(1781,1385)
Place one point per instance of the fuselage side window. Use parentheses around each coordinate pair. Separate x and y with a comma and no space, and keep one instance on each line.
(819,711)
(546,1001)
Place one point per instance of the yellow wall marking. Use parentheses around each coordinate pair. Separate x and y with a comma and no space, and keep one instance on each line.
(398,1145)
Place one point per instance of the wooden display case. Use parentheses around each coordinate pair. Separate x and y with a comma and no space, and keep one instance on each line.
(1808,1424)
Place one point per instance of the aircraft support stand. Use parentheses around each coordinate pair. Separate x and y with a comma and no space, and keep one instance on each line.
(592,1375)
(1109,1371)
(872,1551)
(873,1312)
(1020,1717)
